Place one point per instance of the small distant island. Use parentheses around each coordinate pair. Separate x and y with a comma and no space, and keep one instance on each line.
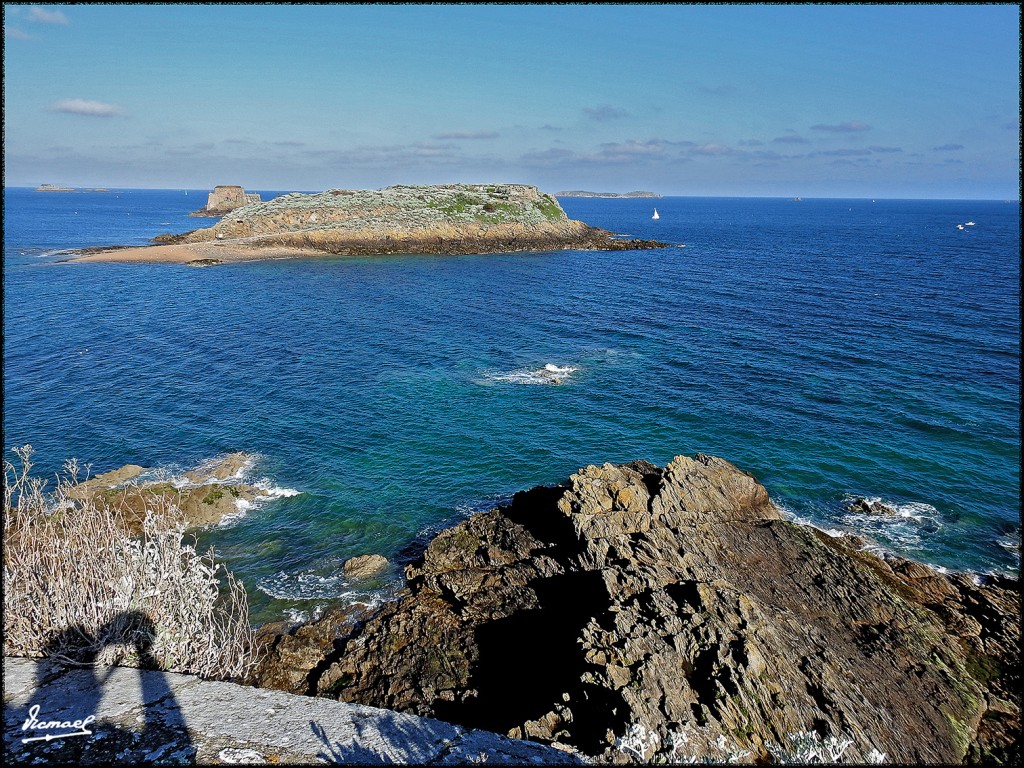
(581,193)
(402,219)
(54,188)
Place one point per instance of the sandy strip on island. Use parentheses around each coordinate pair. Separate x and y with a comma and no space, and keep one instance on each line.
(184,253)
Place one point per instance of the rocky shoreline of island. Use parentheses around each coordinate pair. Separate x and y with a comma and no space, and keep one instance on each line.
(404,219)
(658,606)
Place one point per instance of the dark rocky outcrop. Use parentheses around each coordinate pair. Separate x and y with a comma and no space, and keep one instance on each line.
(676,598)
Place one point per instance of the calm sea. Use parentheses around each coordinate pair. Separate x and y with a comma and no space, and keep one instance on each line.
(833,348)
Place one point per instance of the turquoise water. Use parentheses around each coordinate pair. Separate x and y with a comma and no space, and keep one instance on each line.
(833,348)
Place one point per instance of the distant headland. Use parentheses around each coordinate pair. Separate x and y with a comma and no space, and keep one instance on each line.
(442,219)
(581,193)
(60,188)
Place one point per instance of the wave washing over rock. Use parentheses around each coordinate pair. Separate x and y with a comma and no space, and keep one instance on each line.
(548,374)
(676,599)
(217,492)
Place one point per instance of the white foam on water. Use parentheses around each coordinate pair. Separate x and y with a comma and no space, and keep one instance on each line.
(269,490)
(333,588)
(176,476)
(268,493)
(908,524)
(1010,542)
(883,535)
(548,374)
(303,586)
(485,504)
(210,464)
(793,517)
(917,511)
(835,533)
(299,616)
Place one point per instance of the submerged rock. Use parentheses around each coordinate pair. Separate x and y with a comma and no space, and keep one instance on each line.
(364,566)
(676,598)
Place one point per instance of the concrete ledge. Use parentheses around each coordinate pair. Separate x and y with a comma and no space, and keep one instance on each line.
(161,717)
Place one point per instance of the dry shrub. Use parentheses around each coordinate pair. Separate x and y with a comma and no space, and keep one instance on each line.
(79,587)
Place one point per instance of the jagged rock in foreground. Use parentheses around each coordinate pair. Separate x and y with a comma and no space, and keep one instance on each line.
(677,598)
(451,218)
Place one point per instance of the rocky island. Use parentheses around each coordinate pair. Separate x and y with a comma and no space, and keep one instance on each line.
(54,188)
(675,605)
(442,219)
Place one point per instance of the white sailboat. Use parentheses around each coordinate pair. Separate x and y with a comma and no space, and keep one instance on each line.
(655,216)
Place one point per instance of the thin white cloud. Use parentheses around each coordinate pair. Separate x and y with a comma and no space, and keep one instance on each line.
(845,152)
(605,112)
(629,152)
(388,156)
(85,107)
(466,135)
(714,149)
(16,34)
(633,148)
(36,13)
(948,148)
(851,126)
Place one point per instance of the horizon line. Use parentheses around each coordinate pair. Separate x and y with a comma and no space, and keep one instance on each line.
(89,187)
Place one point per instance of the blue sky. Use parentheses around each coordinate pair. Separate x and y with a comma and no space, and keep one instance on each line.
(756,100)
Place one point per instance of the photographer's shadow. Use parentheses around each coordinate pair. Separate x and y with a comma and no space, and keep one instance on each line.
(159,733)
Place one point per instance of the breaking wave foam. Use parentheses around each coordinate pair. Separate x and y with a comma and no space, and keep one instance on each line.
(905,524)
(906,528)
(237,469)
(548,374)
(309,585)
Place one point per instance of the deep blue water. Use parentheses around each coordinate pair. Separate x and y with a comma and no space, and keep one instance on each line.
(833,348)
